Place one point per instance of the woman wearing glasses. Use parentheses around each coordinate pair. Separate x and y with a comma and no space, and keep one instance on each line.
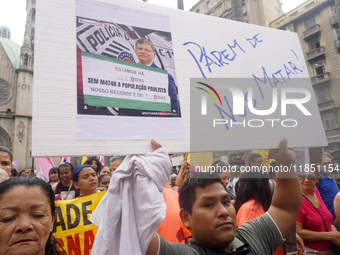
(314,223)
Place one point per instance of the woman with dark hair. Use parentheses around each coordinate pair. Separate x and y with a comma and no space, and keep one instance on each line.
(85,180)
(65,187)
(53,177)
(104,170)
(104,181)
(253,198)
(26,221)
(95,163)
(14,173)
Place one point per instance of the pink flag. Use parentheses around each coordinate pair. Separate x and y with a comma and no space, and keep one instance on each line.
(65,159)
(43,166)
(101,160)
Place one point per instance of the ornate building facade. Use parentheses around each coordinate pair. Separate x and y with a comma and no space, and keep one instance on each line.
(16,90)
(317,24)
(259,12)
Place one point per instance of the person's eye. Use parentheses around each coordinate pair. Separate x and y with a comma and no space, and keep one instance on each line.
(209,205)
(38,215)
(227,202)
(7,219)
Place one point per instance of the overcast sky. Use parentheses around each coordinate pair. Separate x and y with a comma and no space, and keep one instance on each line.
(13,13)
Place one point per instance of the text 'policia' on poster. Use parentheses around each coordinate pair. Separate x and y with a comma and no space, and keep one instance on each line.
(125,74)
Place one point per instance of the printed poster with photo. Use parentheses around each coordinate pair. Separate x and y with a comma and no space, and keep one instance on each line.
(126,74)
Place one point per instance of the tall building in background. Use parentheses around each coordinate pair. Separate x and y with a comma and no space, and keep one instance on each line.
(16,89)
(317,24)
(259,12)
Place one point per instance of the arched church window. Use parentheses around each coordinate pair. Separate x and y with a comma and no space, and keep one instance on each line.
(5,139)
(4,91)
(25,59)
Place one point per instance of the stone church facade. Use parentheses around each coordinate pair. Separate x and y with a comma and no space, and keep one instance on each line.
(16,90)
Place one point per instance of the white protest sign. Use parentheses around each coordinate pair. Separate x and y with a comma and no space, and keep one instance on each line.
(186,46)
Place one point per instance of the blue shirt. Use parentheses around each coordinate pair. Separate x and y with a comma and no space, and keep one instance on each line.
(328,190)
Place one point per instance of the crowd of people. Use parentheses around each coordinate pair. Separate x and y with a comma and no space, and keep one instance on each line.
(219,212)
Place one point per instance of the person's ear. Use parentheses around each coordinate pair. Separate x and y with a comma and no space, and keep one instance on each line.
(185,217)
(75,184)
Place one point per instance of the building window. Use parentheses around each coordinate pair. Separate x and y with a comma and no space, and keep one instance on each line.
(333,146)
(338,33)
(220,10)
(309,23)
(208,4)
(333,10)
(324,94)
(309,5)
(314,43)
(329,120)
(244,8)
(319,68)
(294,14)
(198,10)
(5,91)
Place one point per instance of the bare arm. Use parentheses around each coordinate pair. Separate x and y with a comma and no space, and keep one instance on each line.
(287,195)
(337,211)
(184,166)
(153,246)
(299,241)
(309,235)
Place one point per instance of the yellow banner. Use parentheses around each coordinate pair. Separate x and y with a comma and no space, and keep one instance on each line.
(72,227)
(200,159)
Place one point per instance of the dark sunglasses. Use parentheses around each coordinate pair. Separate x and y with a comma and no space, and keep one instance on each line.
(309,177)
